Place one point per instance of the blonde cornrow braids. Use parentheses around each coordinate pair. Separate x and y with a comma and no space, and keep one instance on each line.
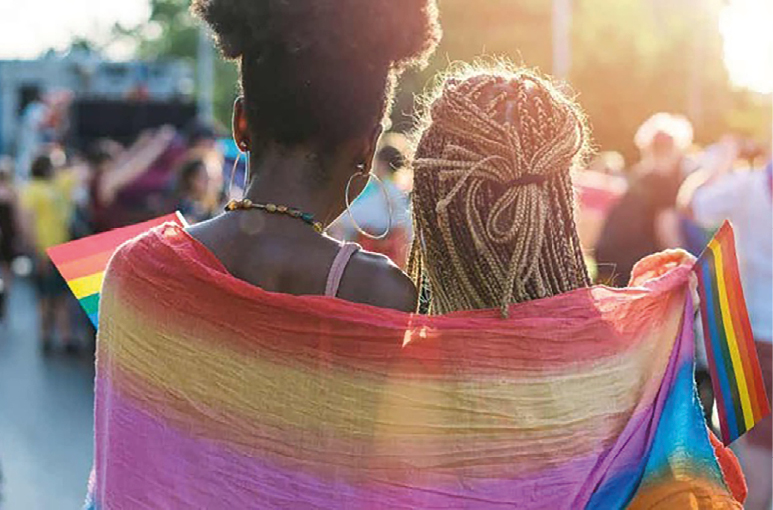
(493,199)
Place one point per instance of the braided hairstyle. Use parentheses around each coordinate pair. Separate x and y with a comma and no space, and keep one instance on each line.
(320,70)
(493,199)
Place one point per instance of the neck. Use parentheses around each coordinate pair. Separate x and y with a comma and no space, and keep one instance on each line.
(289,177)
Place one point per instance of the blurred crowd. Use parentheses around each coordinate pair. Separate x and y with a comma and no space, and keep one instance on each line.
(675,196)
(53,192)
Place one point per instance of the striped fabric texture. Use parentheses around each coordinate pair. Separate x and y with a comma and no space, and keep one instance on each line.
(212,393)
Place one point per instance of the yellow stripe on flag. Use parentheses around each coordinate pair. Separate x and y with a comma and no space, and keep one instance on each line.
(87,285)
(732,342)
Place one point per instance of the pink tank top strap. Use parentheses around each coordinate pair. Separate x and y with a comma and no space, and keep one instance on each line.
(339,266)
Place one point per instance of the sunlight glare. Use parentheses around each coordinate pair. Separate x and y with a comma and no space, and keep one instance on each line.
(748,43)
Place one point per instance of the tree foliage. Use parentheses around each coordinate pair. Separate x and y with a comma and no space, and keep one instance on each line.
(631,58)
(171,32)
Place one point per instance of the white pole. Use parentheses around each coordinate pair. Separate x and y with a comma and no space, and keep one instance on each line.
(562,38)
(205,68)
(695,83)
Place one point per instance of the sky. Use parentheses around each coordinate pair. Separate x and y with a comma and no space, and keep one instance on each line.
(748,40)
(29,27)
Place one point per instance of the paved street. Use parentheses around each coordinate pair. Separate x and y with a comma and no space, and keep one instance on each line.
(45,416)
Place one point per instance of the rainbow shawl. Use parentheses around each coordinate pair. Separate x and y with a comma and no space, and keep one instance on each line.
(212,393)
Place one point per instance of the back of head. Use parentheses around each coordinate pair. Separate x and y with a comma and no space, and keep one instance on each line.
(199,132)
(320,71)
(186,174)
(391,157)
(664,131)
(42,167)
(493,197)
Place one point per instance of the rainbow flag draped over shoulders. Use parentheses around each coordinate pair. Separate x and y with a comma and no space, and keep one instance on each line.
(212,393)
(735,369)
(82,262)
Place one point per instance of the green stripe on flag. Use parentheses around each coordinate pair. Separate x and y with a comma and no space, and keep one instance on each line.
(90,303)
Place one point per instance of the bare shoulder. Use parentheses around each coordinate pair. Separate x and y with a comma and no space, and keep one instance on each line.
(215,234)
(375,280)
(207,231)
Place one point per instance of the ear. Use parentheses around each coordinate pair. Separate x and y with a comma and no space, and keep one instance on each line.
(369,148)
(241,132)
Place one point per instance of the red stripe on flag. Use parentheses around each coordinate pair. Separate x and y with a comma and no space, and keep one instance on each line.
(742,325)
(107,241)
(737,308)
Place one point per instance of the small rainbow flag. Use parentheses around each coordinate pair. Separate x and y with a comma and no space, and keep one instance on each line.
(82,262)
(735,368)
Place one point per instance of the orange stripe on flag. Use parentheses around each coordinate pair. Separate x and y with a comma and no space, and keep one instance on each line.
(735,323)
(85,266)
(736,357)
(75,250)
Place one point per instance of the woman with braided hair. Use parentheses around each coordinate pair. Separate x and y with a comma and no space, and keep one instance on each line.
(493,205)
(493,197)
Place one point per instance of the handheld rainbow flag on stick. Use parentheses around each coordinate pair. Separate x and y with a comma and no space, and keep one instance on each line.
(82,262)
(735,368)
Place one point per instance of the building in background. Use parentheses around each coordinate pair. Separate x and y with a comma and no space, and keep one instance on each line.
(88,76)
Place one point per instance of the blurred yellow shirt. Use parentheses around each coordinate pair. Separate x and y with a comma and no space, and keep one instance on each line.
(50,202)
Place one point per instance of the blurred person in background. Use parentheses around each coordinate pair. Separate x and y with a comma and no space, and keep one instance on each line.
(645,219)
(745,197)
(610,163)
(203,145)
(47,203)
(383,209)
(201,139)
(751,154)
(9,228)
(57,119)
(114,168)
(30,135)
(194,199)
(599,187)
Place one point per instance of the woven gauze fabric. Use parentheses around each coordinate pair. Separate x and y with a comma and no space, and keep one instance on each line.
(211,393)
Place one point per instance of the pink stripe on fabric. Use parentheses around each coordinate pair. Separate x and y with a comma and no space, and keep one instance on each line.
(181,470)
(339,266)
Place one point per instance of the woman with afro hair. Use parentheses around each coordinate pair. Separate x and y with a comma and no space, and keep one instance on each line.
(317,82)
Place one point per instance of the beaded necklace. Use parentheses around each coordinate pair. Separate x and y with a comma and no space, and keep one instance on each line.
(247,204)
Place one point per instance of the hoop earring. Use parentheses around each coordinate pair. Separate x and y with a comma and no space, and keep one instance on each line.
(233,174)
(369,175)
(247,172)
